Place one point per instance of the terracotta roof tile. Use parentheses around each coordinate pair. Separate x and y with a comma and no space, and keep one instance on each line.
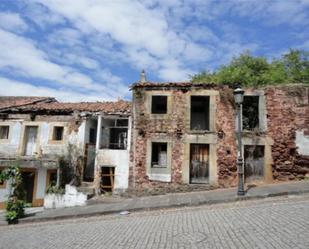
(17,101)
(117,107)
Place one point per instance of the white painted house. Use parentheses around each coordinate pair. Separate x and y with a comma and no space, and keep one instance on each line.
(37,132)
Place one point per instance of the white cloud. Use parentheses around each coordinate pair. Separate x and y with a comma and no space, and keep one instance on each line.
(142,34)
(30,62)
(12,22)
(67,95)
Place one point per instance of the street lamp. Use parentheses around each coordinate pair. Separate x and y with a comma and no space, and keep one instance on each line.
(239,97)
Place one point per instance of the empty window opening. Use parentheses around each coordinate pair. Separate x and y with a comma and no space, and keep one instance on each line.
(159,104)
(199,113)
(199,163)
(51,178)
(4,131)
(58,133)
(254,162)
(115,134)
(107,178)
(159,155)
(118,138)
(250,112)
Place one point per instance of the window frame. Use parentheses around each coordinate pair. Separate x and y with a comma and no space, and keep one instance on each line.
(152,104)
(258,127)
(190,113)
(8,132)
(152,155)
(55,127)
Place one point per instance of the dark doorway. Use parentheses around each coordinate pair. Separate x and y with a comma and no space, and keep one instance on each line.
(27,185)
(88,175)
(199,163)
(254,163)
(107,178)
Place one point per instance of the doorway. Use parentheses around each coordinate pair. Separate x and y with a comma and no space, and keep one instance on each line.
(107,178)
(28,179)
(199,163)
(254,163)
(90,153)
(30,142)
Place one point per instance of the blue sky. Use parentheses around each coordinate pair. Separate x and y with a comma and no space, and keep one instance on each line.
(92,50)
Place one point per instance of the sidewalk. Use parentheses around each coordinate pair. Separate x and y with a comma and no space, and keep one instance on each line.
(169,200)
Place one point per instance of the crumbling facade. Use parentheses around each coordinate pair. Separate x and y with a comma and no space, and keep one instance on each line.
(184,134)
(52,141)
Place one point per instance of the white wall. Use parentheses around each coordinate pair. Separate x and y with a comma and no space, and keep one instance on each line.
(10,147)
(302,142)
(119,159)
(4,192)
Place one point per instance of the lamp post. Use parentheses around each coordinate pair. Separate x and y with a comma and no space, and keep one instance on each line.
(239,97)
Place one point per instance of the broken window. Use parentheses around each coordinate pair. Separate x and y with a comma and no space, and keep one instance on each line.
(199,113)
(4,131)
(118,134)
(159,104)
(159,155)
(118,138)
(254,162)
(250,112)
(58,133)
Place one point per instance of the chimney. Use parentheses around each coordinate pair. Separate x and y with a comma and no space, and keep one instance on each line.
(143,77)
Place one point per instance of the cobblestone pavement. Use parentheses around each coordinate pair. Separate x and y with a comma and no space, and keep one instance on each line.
(281,222)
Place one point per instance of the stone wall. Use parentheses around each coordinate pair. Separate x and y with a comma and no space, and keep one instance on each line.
(286,112)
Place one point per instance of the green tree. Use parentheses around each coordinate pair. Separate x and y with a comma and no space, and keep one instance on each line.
(249,70)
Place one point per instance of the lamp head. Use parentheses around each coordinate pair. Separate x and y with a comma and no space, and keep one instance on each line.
(239,95)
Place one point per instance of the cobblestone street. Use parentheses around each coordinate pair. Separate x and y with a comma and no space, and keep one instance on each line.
(281,222)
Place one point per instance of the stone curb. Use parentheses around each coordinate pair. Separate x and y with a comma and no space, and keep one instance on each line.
(162,206)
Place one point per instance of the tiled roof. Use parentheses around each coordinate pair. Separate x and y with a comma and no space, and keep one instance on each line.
(16,101)
(117,107)
(149,84)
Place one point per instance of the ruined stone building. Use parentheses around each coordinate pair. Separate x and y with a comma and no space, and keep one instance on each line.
(40,133)
(184,134)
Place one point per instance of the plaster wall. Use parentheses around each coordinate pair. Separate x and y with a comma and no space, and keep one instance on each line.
(45,145)
(118,159)
(302,143)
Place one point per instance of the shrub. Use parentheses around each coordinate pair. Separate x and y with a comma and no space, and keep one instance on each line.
(14,210)
(15,206)
(55,190)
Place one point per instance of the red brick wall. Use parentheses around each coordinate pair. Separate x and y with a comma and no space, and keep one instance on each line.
(287,111)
